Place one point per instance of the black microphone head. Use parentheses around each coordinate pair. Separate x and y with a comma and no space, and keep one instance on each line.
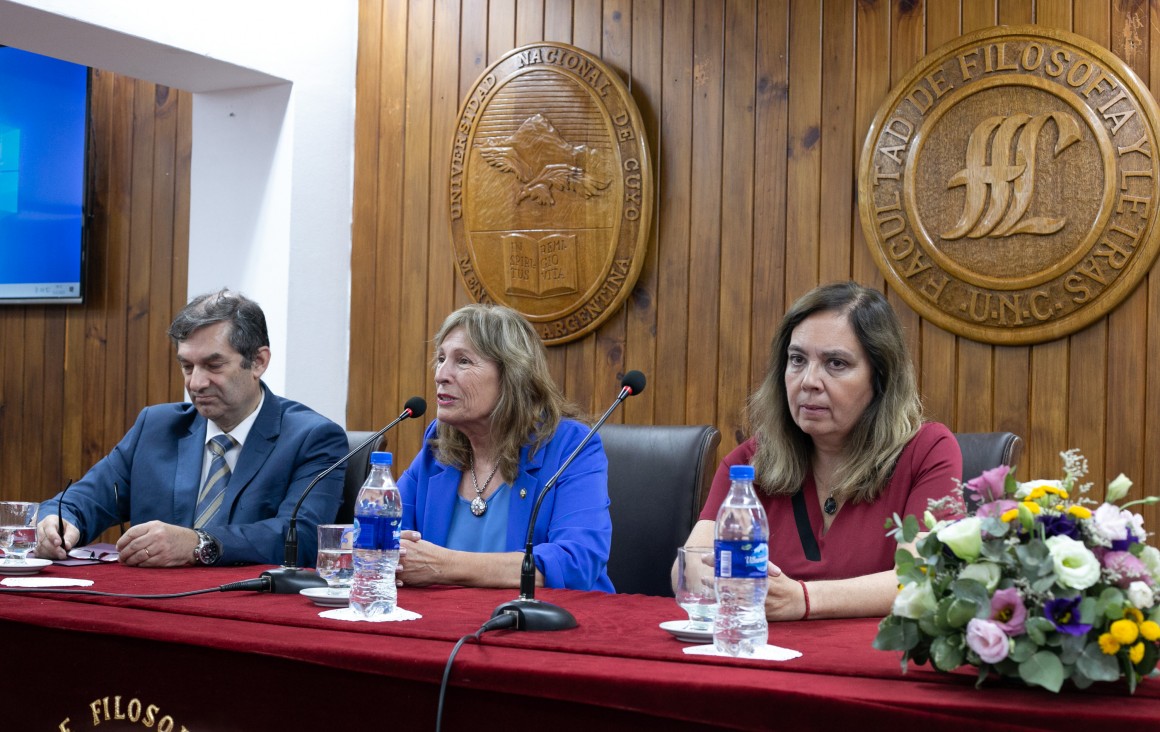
(417,405)
(634,381)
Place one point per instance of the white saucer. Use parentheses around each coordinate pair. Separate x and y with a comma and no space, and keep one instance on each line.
(30,566)
(680,628)
(323,596)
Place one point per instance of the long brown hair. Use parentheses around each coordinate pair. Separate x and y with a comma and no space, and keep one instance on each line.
(530,405)
(892,418)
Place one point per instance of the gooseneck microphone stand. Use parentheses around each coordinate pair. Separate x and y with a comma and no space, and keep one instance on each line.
(291,576)
(533,614)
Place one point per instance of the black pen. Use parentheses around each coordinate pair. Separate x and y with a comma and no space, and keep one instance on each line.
(60,515)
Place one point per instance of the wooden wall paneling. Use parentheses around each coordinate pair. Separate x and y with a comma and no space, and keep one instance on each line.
(803,166)
(674,168)
(140,234)
(579,382)
(501,28)
(641,306)
(11,388)
(838,151)
(735,301)
(153,309)
(873,30)
(178,236)
(51,466)
(705,217)
(391,188)
(1016,12)
(1054,13)
(1151,473)
(112,351)
(978,14)
(936,362)
(413,359)
(771,120)
(32,390)
(473,59)
(558,20)
(1047,410)
(529,22)
(1089,369)
(610,339)
(442,277)
(365,219)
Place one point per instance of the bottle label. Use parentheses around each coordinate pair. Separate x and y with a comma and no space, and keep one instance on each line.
(744,559)
(377,532)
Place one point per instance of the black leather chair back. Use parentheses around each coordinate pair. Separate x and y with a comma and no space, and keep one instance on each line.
(356,472)
(986,450)
(658,477)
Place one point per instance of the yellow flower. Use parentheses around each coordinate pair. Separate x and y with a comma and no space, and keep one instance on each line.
(1056,491)
(1009,516)
(1108,644)
(1134,614)
(1079,512)
(1136,653)
(1150,630)
(1124,631)
(1032,507)
(1036,494)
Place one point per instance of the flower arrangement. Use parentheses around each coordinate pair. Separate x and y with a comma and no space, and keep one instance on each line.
(1038,583)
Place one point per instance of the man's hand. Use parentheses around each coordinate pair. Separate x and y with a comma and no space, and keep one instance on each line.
(157,544)
(50,544)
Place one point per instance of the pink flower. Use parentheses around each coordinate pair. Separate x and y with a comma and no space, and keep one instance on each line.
(1008,612)
(995,509)
(990,486)
(988,640)
(1126,567)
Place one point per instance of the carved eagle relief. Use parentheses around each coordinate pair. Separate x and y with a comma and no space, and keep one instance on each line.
(543,161)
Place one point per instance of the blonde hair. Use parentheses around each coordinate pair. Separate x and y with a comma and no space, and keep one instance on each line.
(888,423)
(530,405)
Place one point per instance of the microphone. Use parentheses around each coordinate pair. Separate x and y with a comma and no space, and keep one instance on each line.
(533,614)
(291,577)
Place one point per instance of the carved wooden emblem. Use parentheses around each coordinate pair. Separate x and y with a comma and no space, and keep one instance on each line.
(1007,187)
(551,189)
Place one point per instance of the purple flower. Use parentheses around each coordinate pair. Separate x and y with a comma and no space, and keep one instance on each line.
(995,509)
(990,486)
(1058,524)
(1008,612)
(1063,612)
(1127,568)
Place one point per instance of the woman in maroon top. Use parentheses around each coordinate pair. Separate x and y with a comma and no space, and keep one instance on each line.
(839,446)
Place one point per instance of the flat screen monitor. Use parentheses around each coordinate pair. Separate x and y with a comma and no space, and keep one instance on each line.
(43,122)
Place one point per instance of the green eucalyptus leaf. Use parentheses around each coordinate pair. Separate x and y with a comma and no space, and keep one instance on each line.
(945,654)
(974,592)
(1023,649)
(1097,665)
(1037,630)
(960,612)
(896,634)
(910,528)
(1043,669)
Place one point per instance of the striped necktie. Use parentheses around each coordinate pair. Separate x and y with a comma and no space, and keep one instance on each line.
(209,500)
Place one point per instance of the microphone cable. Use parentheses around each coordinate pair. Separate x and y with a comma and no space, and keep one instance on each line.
(261,584)
(499,622)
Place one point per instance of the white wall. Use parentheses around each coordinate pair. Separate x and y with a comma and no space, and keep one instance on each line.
(273,147)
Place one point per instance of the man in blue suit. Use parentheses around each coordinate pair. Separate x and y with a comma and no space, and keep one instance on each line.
(213,480)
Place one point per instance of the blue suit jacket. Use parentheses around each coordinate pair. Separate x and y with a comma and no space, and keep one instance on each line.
(157,470)
(573,531)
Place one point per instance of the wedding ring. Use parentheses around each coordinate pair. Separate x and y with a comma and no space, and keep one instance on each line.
(147,554)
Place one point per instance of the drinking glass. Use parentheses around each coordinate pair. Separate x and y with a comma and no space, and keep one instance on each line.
(335,542)
(17,529)
(695,591)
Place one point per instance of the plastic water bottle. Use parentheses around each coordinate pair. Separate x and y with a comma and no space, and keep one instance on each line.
(378,519)
(741,550)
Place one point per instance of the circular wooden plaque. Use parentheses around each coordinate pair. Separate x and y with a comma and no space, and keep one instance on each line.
(551,189)
(1007,186)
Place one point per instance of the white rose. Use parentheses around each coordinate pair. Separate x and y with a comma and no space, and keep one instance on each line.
(1140,595)
(1151,559)
(964,537)
(985,573)
(1118,488)
(1075,566)
(913,600)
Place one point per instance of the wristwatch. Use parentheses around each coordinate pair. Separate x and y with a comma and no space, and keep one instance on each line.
(207,551)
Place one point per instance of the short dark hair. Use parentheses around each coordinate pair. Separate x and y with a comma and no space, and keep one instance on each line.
(248,332)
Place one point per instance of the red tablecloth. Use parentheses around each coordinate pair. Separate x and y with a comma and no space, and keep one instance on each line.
(617,660)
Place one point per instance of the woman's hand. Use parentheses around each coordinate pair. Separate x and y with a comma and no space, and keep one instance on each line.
(784,599)
(421,563)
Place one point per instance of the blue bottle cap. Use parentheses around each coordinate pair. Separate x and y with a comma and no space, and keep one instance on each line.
(740,472)
(380,458)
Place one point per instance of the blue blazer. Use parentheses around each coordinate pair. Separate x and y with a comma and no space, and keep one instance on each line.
(157,470)
(574,529)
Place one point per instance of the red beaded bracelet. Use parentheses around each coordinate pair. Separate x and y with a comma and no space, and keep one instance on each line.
(806,594)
